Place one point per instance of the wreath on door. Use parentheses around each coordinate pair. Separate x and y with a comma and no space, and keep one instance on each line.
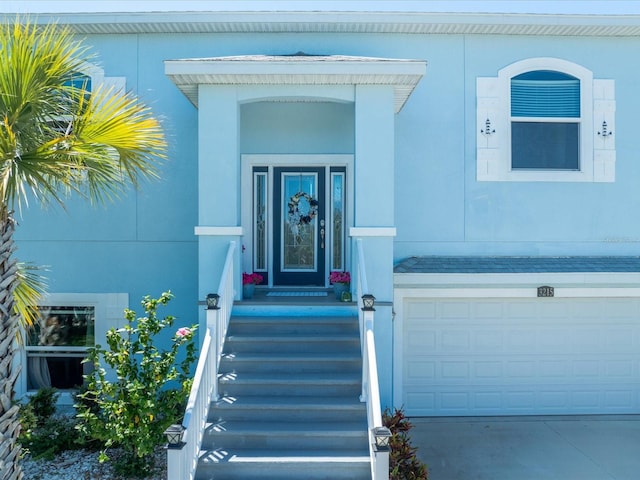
(304,216)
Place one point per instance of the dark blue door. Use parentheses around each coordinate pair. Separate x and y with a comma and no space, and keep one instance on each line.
(299,226)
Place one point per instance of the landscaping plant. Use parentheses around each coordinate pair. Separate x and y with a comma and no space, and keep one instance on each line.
(43,434)
(403,462)
(149,392)
(43,404)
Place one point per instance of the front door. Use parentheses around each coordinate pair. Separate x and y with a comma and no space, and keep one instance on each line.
(299,226)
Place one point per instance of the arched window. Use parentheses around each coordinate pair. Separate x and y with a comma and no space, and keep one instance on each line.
(545,119)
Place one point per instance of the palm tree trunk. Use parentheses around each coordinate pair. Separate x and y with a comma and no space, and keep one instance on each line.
(9,423)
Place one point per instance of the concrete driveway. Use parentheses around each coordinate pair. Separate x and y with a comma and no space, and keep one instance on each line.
(529,448)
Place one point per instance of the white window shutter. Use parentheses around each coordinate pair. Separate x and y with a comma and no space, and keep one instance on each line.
(604,133)
(487,134)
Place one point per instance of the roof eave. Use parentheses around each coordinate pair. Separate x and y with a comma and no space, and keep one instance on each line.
(348,22)
(403,75)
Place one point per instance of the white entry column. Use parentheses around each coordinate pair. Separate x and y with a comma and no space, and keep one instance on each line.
(218,183)
(374,213)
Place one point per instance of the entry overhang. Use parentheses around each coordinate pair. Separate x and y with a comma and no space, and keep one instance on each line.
(299,69)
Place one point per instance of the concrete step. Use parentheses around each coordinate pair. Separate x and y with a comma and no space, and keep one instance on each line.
(247,464)
(293,408)
(294,310)
(291,343)
(270,362)
(293,325)
(277,433)
(311,384)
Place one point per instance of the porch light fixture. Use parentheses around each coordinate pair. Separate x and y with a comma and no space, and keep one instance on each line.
(382,435)
(174,436)
(368,301)
(212,301)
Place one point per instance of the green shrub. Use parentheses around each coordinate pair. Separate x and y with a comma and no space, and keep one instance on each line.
(151,387)
(56,435)
(403,462)
(43,434)
(43,403)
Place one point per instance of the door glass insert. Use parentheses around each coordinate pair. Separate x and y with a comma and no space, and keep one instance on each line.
(337,220)
(260,222)
(299,210)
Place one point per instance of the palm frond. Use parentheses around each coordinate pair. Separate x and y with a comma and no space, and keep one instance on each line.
(30,289)
(55,138)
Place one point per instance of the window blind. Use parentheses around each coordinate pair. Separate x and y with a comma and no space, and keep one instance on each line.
(545,98)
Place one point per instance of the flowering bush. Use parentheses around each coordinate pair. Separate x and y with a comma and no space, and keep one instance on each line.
(183,332)
(340,277)
(251,278)
(149,393)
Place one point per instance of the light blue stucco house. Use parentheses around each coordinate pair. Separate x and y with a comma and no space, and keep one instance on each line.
(484,165)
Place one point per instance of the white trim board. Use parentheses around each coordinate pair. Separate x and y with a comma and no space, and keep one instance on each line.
(218,231)
(372,232)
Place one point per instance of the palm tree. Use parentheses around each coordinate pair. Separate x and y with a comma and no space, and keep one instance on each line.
(56,139)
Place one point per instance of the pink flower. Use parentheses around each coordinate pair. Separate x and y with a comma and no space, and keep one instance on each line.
(183,332)
(339,277)
(249,278)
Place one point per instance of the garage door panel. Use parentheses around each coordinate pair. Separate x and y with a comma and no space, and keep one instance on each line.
(455,340)
(421,311)
(621,339)
(453,310)
(554,368)
(476,373)
(420,340)
(419,371)
(520,311)
(489,340)
(530,356)
(488,369)
(623,369)
(488,310)
(586,368)
(542,400)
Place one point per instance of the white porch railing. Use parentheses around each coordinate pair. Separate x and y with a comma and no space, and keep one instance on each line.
(370,388)
(182,460)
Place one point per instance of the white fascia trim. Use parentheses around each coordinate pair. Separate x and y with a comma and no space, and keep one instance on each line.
(343,70)
(293,93)
(516,285)
(397,22)
(519,292)
(372,232)
(259,159)
(218,231)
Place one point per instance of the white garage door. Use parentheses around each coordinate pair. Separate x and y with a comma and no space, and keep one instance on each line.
(520,356)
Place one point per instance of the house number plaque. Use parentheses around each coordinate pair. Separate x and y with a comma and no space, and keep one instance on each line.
(545,291)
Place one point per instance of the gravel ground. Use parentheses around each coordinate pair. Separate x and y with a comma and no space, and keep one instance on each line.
(84,465)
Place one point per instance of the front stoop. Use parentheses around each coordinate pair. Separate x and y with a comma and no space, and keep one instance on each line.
(290,404)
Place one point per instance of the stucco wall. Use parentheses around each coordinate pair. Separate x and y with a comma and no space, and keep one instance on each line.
(144,243)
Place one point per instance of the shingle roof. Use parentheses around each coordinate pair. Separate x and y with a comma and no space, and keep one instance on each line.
(458,264)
